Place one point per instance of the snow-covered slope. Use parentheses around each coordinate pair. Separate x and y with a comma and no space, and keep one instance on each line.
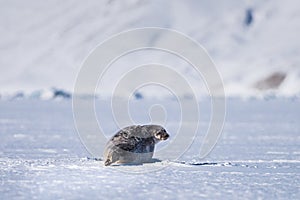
(43,43)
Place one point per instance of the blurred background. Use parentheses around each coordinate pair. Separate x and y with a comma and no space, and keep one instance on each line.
(254,44)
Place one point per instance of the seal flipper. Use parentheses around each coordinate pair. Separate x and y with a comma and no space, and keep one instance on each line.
(107,162)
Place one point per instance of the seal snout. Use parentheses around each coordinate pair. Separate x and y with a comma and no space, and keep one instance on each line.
(165,136)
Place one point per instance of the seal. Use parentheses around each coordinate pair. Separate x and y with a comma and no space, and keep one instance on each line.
(133,144)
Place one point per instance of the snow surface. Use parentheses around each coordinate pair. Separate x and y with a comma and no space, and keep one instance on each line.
(257,157)
(43,44)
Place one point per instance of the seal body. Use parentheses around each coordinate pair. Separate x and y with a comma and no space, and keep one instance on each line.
(133,144)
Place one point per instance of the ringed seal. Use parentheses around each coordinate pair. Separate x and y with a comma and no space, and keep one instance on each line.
(133,144)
